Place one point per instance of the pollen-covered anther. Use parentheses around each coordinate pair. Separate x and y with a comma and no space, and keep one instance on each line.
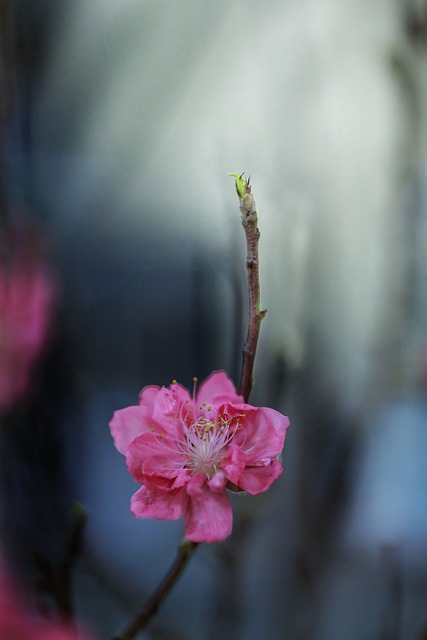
(206,441)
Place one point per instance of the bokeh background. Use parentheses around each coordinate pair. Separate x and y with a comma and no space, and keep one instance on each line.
(120,120)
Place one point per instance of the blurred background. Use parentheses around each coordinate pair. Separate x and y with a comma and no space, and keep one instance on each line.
(123,264)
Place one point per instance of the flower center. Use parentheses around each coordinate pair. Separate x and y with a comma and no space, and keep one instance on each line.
(206,441)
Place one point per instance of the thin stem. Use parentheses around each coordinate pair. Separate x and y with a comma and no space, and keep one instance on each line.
(56,579)
(185,551)
(256,314)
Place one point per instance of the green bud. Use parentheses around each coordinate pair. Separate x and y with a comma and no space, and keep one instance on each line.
(242,185)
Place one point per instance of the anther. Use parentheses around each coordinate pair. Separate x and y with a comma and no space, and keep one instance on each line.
(195,380)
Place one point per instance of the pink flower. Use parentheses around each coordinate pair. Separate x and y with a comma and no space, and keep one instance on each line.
(187,450)
(18,622)
(27,292)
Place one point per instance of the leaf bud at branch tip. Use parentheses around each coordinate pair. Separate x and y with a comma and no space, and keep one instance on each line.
(242,185)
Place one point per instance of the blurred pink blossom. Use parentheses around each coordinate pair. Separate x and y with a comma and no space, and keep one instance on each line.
(27,292)
(187,450)
(18,622)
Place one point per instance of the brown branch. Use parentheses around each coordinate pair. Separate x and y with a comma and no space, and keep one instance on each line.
(256,314)
(185,551)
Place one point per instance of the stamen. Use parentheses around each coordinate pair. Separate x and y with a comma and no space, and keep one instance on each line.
(200,442)
(206,442)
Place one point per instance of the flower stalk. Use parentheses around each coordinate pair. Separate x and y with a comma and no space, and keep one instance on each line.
(56,579)
(185,551)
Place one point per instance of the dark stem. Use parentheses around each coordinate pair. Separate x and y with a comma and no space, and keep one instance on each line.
(185,551)
(56,579)
(256,314)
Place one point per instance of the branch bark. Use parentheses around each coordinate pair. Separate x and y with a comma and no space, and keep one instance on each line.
(185,551)
(256,314)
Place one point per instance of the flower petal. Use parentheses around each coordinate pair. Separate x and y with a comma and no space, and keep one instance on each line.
(127,424)
(208,517)
(195,486)
(234,463)
(180,394)
(154,453)
(218,389)
(263,432)
(218,482)
(146,503)
(148,395)
(255,480)
(158,484)
(165,405)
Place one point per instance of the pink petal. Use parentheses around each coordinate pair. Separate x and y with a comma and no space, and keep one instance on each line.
(146,503)
(154,453)
(165,405)
(218,389)
(157,484)
(208,517)
(218,482)
(162,484)
(255,480)
(234,463)
(148,395)
(127,424)
(181,479)
(196,485)
(180,394)
(263,432)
